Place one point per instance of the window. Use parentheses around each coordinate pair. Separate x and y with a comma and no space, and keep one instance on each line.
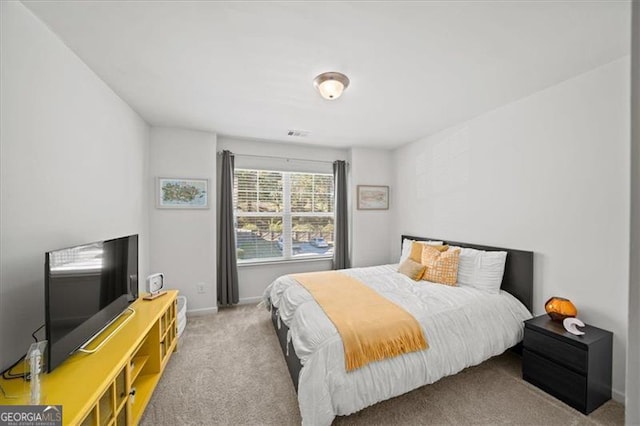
(282,215)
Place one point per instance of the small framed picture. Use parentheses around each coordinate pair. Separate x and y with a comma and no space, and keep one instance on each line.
(373,197)
(182,193)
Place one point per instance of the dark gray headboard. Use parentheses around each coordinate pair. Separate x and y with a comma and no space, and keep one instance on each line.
(518,271)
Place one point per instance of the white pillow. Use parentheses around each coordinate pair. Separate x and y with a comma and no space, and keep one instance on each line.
(481,269)
(406,247)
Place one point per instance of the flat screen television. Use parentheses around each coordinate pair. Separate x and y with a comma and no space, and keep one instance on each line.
(86,288)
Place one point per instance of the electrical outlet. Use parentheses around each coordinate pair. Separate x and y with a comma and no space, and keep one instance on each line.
(200,288)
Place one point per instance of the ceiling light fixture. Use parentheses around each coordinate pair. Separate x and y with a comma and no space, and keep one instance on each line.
(331,84)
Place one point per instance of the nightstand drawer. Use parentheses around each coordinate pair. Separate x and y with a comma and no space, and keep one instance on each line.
(574,369)
(560,382)
(556,350)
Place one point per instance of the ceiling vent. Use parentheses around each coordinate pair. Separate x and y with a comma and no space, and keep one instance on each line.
(298,133)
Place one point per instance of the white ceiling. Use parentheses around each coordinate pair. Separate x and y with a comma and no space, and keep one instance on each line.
(246,68)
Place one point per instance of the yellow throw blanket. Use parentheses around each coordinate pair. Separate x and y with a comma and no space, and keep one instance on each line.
(372,327)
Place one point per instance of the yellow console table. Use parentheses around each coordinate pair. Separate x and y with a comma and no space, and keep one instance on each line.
(113,385)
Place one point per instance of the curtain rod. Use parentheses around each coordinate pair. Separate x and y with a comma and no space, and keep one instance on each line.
(281,158)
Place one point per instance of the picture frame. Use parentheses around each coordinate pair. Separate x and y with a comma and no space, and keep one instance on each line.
(373,197)
(182,193)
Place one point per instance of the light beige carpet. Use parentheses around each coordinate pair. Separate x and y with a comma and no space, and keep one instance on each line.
(229,370)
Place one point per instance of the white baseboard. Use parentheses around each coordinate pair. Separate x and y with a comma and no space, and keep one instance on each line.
(250,300)
(213,310)
(617,396)
(202,311)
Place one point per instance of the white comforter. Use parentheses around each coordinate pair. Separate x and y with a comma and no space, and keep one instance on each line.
(463,327)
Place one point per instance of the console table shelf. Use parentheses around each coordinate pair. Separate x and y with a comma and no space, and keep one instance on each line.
(113,385)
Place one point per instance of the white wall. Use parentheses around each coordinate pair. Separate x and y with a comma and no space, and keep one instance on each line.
(73,167)
(183,241)
(370,230)
(549,173)
(253,279)
(633,354)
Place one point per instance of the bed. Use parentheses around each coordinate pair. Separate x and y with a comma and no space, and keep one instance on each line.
(464,327)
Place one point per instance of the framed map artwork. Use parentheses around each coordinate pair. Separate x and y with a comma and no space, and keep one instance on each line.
(182,193)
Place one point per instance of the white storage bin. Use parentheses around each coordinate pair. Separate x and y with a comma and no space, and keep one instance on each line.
(182,314)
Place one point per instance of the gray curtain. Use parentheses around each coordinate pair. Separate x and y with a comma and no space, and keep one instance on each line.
(227,267)
(341,237)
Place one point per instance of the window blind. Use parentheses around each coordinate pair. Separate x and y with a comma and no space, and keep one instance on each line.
(283,215)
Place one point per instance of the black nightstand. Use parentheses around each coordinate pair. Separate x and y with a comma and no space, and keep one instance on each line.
(574,369)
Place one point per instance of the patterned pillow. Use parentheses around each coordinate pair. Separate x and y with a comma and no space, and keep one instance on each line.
(442,267)
(413,270)
(416,249)
(406,248)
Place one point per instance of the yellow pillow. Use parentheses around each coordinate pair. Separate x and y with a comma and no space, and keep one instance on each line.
(416,250)
(441,267)
(413,270)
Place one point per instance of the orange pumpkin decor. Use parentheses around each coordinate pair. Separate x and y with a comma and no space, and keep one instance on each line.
(560,308)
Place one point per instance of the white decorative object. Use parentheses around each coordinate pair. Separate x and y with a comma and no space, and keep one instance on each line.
(572,324)
(155,283)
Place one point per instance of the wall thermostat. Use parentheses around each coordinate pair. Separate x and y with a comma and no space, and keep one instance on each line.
(155,283)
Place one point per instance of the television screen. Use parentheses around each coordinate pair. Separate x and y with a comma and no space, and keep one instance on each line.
(86,288)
